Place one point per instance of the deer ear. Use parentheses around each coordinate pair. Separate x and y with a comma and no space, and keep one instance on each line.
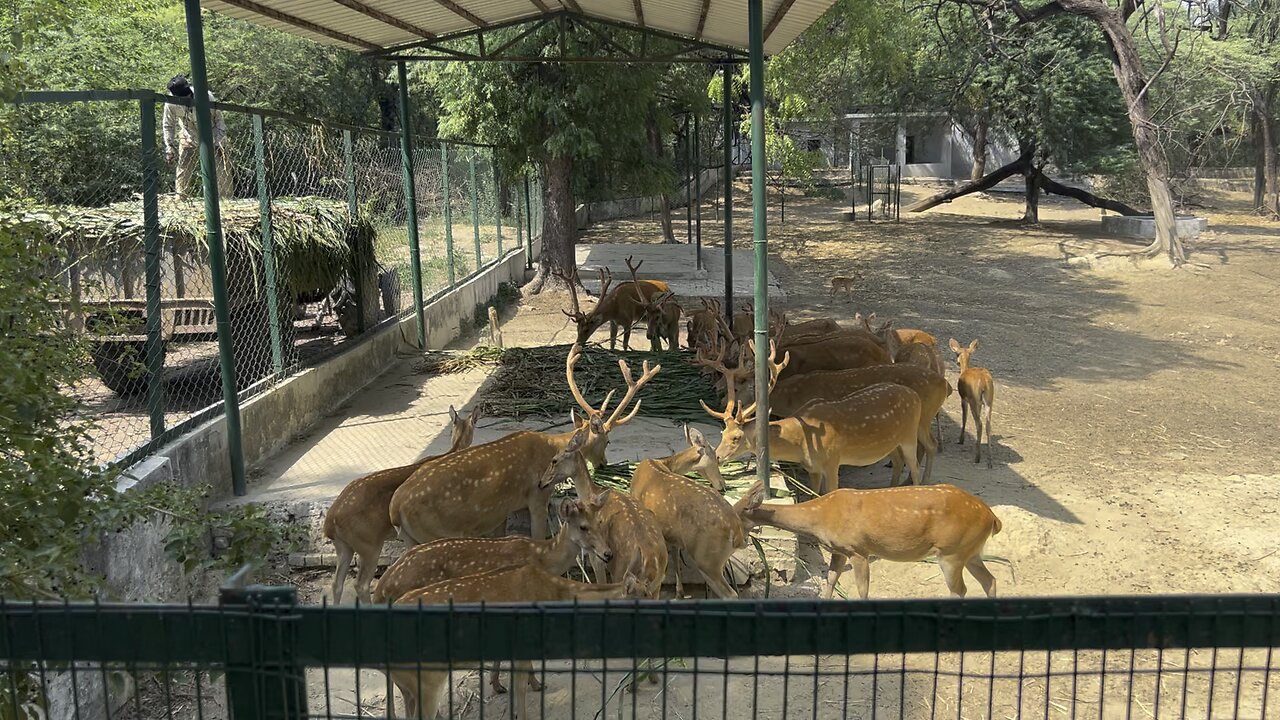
(573,418)
(453,414)
(600,498)
(577,441)
(955,346)
(973,345)
(568,508)
(695,437)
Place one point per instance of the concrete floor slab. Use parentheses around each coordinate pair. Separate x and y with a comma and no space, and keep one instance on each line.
(677,265)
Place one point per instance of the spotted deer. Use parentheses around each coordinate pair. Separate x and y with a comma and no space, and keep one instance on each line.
(422,686)
(977,392)
(694,518)
(902,524)
(631,531)
(455,557)
(844,284)
(861,429)
(622,307)
(794,392)
(471,492)
(358,522)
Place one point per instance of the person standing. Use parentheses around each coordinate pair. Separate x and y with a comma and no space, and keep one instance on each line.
(181,141)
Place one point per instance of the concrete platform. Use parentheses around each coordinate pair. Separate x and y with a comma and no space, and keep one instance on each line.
(677,265)
(1143,227)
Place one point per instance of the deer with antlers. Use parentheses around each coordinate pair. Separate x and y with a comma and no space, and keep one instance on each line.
(791,394)
(421,685)
(631,532)
(903,524)
(662,319)
(702,328)
(358,522)
(859,429)
(694,518)
(471,492)
(623,306)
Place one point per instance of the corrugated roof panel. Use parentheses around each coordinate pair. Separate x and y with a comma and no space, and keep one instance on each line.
(726,22)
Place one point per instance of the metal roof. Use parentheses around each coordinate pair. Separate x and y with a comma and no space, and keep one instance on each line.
(387,26)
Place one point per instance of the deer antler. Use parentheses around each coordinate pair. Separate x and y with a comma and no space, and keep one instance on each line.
(633,268)
(646,374)
(570,362)
(775,369)
(606,279)
(577,313)
(731,397)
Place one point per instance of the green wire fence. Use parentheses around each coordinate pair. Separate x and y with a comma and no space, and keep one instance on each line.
(258,654)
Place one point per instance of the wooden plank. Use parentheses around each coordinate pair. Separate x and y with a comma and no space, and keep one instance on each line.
(541,5)
(639,12)
(777,18)
(385,18)
(702,19)
(298,22)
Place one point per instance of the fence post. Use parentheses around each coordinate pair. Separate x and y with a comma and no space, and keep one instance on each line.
(264,679)
(268,244)
(213,239)
(497,196)
(728,192)
(411,204)
(688,185)
(151,241)
(448,211)
(519,223)
(357,256)
(697,193)
(475,208)
(528,225)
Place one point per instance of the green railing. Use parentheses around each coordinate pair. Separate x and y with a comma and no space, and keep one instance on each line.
(258,654)
(425,215)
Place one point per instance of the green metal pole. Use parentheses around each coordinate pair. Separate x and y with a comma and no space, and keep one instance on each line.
(475,209)
(448,211)
(697,192)
(265,678)
(358,268)
(151,241)
(213,232)
(728,192)
(755,34)
(411,204)
(497,197)
(268,244)
(528,229)
(519,223)
(688,185)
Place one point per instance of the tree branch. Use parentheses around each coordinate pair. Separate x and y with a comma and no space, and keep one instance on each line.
(1087,197)
(989,180)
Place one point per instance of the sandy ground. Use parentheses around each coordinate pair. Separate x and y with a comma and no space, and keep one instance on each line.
(1130,422)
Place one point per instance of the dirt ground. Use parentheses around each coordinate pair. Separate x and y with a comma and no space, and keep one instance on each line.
(1130,444)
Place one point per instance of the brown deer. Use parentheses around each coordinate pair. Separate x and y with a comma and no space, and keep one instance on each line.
(977,391)
(911,347)
(421,685)
(455,557)
(623,307)
(904,335)
(703,326)
(837,352)
(903,524)
(842,283)
(631,532)
(694,518)
(358,521)
(862,428)
(791,394)
(662,318)
(471,492)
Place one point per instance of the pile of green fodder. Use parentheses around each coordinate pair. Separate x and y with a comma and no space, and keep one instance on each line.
(316,241)
(530,382)
(738,476)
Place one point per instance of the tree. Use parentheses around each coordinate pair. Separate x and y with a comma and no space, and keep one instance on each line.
(552,117)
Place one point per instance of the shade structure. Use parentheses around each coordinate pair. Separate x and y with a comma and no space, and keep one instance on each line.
(386,27)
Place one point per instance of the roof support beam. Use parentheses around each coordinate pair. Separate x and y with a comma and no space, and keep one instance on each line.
(298,22)
(541,5)
(572,5)
(702,19)
(382,17)
(639,12)
(463,13)
(777,18)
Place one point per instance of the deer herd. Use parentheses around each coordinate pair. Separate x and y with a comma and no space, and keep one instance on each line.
(838,396)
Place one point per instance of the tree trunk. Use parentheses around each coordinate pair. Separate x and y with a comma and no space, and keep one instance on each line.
(979,148)
(664,216)
(1267,137)
(1031,181)
(1259,164)
(658,148)
(559,223)
(1127,66)
(1048,185)
(973,186)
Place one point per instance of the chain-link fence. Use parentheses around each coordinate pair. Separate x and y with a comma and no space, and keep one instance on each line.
(316,237)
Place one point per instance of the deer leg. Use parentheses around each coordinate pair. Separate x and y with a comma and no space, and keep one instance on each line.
(495,682)
(679,566)
(538,518)
(964,418)
(898,462)
(977,433)
(613,336)
(909,457)
(345,552)
(953,573)
(980,573)
(834,570)
(714,575)
(367,566)
(534,683)
(520,696)
(988,436)
(937,422)
(926,446)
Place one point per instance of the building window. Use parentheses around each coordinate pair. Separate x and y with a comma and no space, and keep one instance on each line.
(814,144)
(911,149)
